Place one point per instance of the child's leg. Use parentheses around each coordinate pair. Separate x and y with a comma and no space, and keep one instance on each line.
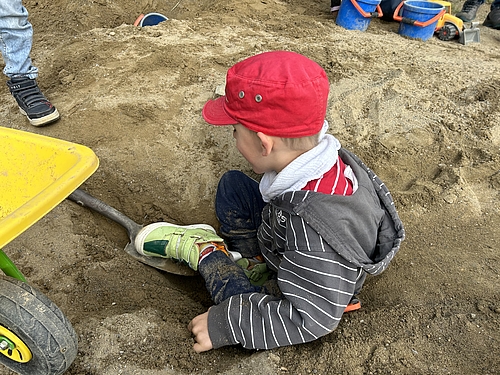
(239,205)
(224,278)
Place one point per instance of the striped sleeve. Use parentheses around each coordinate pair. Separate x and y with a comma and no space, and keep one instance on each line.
(316,284)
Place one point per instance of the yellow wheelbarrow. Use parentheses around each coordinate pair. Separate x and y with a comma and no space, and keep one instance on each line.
(36,174)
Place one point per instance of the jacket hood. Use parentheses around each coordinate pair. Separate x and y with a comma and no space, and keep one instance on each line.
(366,229)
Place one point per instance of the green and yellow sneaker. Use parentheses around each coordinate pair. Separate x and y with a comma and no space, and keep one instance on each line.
(182,243)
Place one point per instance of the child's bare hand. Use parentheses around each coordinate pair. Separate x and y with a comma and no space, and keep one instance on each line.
(199,328)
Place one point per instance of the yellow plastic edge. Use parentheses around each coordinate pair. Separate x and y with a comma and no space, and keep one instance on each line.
(39,205)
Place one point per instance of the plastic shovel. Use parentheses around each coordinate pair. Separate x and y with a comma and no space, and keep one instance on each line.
(86,200)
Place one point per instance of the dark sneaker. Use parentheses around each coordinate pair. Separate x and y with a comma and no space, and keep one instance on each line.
(493,19)
(469,10)
(335,5)
(32,103)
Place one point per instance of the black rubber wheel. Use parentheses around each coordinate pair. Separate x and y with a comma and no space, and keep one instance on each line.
(39,327)
(448,32)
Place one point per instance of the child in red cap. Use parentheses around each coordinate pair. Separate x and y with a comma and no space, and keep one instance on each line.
(319,219)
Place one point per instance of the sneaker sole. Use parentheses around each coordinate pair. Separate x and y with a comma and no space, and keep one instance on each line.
(491,25)
(45,120)
(144,232)
(352,307)
(465,19)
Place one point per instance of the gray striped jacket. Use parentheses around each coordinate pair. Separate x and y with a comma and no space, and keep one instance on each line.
(321,246)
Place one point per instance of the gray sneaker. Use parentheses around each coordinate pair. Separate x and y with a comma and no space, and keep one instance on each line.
(469,10)
(493,19)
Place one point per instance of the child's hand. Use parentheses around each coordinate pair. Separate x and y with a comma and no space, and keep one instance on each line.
(199,328)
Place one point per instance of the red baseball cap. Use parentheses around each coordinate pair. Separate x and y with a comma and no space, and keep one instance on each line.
(279,93)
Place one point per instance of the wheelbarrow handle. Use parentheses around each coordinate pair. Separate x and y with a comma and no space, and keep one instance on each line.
(84,199)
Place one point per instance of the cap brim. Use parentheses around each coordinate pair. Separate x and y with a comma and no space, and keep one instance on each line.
(214,113)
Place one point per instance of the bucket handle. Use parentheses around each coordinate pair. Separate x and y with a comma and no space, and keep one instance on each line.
(409,21)
(376,14)
(138,20)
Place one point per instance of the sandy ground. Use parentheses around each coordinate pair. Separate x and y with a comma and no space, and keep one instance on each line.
(424,115)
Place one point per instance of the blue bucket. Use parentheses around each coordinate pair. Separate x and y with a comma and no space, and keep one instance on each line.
(357,14)
(418,19)
(152,19)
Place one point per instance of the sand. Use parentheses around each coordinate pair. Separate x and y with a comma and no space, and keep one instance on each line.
(425,116)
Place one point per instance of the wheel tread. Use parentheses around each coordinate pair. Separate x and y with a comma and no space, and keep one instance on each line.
(40,324)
